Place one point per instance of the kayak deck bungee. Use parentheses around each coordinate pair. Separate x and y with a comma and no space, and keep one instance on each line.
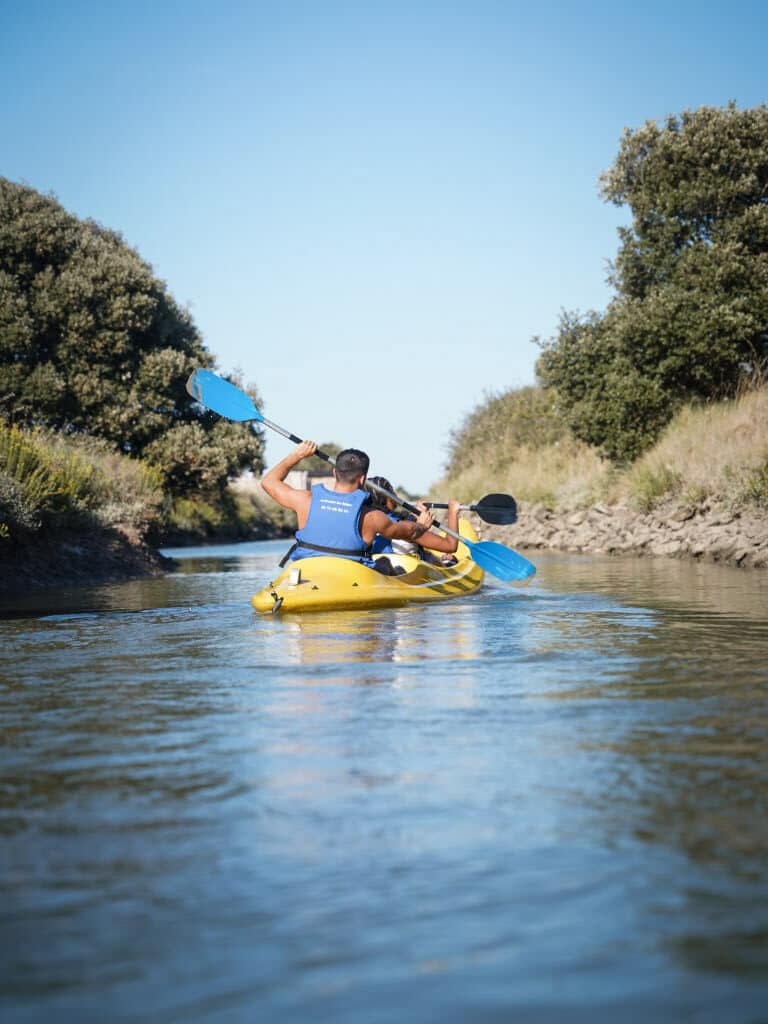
(325,583)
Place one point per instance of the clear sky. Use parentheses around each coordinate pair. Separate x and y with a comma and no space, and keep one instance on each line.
(370,208)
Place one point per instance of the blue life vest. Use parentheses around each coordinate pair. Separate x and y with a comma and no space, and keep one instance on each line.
(383,545)
(333,526)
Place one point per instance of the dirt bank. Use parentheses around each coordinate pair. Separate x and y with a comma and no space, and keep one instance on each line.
(77,559)
(675,530)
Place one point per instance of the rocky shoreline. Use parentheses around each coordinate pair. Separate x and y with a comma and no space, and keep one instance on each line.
(706,532)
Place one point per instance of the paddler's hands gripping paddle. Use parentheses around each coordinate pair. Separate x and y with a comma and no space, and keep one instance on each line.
(229,401)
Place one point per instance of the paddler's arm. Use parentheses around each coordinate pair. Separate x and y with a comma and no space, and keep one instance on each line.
(273,481)
(446,544)
(416,531)
(374,521)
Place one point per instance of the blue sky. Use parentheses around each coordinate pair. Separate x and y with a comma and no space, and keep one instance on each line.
(370,208)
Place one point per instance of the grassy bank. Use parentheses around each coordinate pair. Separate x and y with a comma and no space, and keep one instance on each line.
(74,510)
(516,442)
(51,482)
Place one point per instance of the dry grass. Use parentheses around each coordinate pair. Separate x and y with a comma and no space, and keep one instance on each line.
(713,451)
(717,451)
(565,475)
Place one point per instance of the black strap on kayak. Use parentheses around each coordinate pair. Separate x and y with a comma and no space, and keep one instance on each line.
(356,552)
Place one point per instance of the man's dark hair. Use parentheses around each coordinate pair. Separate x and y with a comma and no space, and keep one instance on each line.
(350,464)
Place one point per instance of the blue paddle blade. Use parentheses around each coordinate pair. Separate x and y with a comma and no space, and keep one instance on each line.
(503,563)
(220,396)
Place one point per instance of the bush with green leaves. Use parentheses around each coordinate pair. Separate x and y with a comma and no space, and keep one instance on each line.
(91,342)
(690,316)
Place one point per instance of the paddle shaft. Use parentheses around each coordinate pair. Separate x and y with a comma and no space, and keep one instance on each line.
(298,440)
(481,507)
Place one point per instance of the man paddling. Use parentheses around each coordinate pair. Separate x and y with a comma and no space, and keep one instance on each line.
(340,520)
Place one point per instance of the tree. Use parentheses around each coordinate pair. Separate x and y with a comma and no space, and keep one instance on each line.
(91,342)
(690,315)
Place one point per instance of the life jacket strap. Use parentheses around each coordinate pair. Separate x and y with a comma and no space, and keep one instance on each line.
(351,552)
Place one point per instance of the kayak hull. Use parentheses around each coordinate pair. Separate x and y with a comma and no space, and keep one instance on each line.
(326,583)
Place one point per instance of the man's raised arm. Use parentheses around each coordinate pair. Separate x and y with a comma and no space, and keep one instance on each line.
(273,481)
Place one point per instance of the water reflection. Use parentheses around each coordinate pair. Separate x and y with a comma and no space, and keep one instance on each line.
(662,583)
(689,771)
(373,637)
(442,808)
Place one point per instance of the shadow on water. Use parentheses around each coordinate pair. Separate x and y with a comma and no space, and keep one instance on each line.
(530,803)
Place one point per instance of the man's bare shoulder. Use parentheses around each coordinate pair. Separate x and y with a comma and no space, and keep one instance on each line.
(374,516)
(373,521)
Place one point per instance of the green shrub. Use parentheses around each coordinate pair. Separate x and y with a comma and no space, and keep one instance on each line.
(650,483)
(39,480)
(52,480)
(755,488)
(192,516)
(91,340)
(688,318)
(238,515)
(15,508)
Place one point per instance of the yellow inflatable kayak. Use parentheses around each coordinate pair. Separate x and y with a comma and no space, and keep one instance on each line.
(326,583)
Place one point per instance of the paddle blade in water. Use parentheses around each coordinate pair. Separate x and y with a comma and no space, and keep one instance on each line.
(498,509)
(503,563)
(219,395)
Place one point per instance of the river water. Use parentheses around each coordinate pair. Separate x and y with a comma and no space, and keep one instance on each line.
(541,803)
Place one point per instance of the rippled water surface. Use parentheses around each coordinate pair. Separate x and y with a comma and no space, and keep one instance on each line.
(543,803)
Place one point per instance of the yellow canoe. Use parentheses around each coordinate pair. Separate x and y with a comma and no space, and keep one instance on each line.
(326,583)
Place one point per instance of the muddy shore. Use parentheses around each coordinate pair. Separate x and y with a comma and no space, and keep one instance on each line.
(78,559)
(706,532)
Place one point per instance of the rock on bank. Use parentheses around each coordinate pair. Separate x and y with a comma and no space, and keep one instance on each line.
(706,532)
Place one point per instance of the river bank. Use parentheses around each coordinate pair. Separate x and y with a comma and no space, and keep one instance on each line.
(74,558)
(706,531)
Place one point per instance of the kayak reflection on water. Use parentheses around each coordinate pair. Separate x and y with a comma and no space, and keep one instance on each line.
(374,638)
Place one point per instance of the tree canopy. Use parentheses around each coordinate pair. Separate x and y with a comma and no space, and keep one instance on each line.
(690,315)
(92,342)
